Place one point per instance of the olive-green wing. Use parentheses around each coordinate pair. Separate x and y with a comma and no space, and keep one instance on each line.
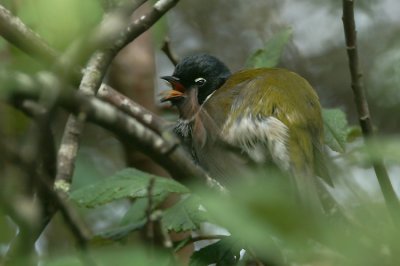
(273,114)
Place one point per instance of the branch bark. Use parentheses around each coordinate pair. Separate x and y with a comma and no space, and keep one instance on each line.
(41,181)
(133,109)
(17,33)
(165,151)
(362,106)
(91,81)
(74,127)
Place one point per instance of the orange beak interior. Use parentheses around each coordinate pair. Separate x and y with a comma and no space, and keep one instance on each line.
(177,91)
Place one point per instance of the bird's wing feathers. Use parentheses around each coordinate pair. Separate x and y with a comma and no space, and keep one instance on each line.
(281,121)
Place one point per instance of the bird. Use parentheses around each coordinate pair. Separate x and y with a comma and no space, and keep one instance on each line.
(264,116)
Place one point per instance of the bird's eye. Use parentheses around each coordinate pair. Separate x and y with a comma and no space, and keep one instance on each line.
(200,81)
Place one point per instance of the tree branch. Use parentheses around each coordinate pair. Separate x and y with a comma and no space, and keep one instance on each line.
(133,109)
(74,127)
(17,33)
(76,226)
(91,81)
(362,105)
(164,151)
(178,162)
(166,48)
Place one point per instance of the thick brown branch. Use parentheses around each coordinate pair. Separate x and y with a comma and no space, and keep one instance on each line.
(362,104)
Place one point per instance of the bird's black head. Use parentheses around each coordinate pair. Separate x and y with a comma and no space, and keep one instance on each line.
(203,72)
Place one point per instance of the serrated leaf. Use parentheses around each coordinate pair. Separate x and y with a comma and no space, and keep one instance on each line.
(269,55)
(130,183)
(335,129)
(134,219)
(225,252)
(139,208)
(184,215)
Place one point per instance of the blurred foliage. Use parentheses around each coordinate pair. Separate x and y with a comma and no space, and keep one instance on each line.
(60,21)
(14,122)
(270,55)
(126,183)
(376,149)
(184,216)
(133,255)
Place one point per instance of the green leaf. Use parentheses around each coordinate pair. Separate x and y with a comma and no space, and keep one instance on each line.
(335,128)
(120,232)
(224,252)
(257,214)
(138,209)
(118,256)
(353,133)
(269,55)
(374,150)
(184,215)
(130,183)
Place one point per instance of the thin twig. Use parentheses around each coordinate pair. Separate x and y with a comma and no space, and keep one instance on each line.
(362,106)
(104,35)
(109,45)
(168,52)
(133,109)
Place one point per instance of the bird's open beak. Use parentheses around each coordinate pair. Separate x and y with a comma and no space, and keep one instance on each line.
(177,89)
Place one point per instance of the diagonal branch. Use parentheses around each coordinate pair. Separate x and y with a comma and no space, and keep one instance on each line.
(17,33)
(184,166)
(151,120)
(41,182)
(70,141)
(362,105)
(91,81)
(164,151)
(166,48)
